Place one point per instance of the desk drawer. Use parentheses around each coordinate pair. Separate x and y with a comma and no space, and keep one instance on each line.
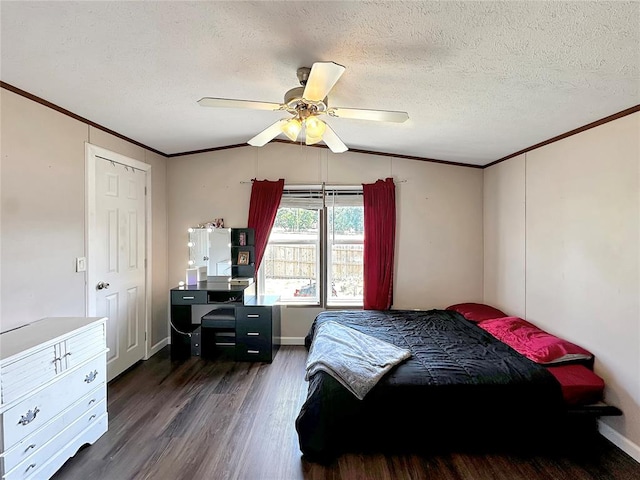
(253,324)
(254,351)
(254,334)
(253,317)
(251,333)
(188,297)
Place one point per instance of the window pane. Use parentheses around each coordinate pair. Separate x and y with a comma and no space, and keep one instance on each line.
(346,267)
(290,264)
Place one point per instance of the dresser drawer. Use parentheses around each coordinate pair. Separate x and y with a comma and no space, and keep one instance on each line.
(40,367)
(188,297)
(28,373)
(32,413)
(89,435)
(34,442)
(81,347)
(74,425)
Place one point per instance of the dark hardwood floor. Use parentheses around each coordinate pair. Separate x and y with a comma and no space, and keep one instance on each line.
(215,420)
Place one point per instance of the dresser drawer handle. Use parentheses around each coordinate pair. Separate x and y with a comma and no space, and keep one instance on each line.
(92,401)
(33,465)
(91,376)
(33,445)
(253,315)
(253,334)
(92,417)
(188,298)
(60,358)
(29,417)
(253,351)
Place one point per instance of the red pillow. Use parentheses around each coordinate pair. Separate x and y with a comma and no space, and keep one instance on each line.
(476,312)
(533,342)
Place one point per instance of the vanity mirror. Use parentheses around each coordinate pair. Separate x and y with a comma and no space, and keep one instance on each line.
(211,248)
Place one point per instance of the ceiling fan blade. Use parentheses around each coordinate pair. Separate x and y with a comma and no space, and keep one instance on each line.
(333,142)
(363,114)
(231,103)
(267,134)
(322,78)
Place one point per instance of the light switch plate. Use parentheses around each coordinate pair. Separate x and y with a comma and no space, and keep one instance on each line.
(81,264)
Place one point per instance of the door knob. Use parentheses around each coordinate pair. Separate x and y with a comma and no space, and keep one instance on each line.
(102,285)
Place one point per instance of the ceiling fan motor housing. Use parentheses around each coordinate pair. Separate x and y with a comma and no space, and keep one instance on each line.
(296,103)
(303,75)
(293,94)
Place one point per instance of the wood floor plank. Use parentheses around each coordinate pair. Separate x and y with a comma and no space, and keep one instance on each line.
(203,419)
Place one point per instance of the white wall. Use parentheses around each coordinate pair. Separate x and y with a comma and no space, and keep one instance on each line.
(438,235)
(580,271)
(42,221)
(42,212)
(504,236)
(439,211)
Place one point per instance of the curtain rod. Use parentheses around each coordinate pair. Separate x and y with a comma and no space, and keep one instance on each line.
(322,183)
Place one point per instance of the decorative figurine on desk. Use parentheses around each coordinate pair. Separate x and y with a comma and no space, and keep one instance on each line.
(215,223)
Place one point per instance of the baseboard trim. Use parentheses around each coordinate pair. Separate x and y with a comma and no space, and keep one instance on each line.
(291,340)
(157,347)
(619,440)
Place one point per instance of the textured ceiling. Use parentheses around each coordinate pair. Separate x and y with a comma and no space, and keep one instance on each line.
(480,80)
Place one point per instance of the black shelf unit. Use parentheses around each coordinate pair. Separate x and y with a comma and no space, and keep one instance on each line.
(243,240)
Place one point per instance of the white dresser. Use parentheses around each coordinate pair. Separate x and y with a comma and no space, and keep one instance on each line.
(53,394)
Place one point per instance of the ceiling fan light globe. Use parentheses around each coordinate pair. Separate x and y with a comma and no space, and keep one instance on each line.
(292,129)
(309,140)
(315,127)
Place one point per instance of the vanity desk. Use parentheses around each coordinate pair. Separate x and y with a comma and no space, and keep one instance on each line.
(219,318)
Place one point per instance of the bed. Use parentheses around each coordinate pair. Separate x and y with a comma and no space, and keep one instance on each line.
(459,386)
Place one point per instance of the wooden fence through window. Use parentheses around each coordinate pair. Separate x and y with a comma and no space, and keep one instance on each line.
(299,261)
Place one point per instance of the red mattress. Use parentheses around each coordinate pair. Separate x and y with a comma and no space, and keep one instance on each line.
(580,386)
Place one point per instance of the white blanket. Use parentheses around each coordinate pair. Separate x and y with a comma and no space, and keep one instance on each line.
(358,361)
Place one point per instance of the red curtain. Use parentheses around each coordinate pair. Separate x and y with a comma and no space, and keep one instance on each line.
(379,243)
(263,207)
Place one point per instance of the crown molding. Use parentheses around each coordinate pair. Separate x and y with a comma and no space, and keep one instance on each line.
(570,133)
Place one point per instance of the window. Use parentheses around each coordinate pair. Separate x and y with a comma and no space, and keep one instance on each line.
(315,251)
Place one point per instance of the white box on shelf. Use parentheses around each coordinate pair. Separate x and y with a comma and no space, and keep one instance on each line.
(192,276)
(202,274)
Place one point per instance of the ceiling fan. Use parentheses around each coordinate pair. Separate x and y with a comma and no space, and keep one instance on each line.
(307,103)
